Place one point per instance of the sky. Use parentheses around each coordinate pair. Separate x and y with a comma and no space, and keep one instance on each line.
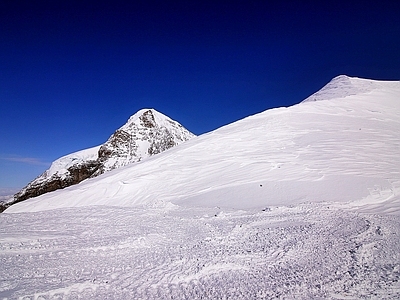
(72,72)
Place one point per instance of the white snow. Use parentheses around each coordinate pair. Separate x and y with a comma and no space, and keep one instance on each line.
(159,118)
(61,165)
(292,203)
(98,252)
(339,150)
(343,86)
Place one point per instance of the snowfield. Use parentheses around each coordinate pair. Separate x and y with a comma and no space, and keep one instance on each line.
(292,203)
(305,252)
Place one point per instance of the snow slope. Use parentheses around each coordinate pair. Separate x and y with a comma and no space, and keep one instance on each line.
(292,203)
(343,86)
(60,166)
(302,252)
(341,150)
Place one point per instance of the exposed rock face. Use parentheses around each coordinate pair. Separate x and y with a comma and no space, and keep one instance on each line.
(77,173)
(146,133)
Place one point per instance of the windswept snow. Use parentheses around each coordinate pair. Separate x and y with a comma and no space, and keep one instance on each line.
(343,86)
(292,203)
(340,150)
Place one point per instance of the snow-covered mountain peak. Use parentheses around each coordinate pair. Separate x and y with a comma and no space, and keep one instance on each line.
(146,133)
(343,86)
(149,118)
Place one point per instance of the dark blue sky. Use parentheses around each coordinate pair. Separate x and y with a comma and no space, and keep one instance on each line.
(71,72)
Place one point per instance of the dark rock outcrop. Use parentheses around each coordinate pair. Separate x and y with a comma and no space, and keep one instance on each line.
(77,174)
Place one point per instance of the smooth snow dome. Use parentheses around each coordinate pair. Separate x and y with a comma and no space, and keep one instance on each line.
(343,86)
(341,150)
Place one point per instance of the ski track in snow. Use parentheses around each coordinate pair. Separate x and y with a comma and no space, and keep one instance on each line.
(309,251)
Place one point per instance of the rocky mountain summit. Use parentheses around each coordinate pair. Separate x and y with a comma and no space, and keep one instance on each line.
(146,133)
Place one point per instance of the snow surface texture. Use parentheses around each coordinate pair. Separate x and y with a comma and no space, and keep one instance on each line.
(343,86)
(293,203)
(146,133)
(337,150)
(302,252)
